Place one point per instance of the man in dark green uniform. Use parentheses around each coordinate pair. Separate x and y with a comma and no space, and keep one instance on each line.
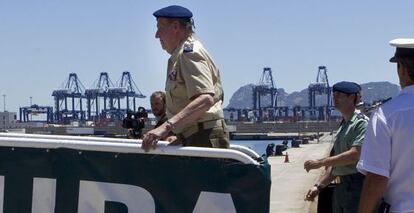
(347,147)
(193,87)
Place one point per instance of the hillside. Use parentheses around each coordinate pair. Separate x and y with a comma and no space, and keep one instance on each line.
(372,91)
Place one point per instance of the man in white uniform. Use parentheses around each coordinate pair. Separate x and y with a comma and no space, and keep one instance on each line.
(388,151)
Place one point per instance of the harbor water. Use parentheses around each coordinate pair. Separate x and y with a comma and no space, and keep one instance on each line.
(259,146)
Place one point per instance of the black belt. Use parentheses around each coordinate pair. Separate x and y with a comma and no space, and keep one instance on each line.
(351,177)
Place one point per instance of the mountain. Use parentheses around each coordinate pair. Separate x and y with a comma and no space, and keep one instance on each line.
(373,91)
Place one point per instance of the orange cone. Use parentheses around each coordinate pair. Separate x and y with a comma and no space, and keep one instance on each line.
(287,158)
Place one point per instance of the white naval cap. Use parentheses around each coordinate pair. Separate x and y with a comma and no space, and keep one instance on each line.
(404,48)
(403,42)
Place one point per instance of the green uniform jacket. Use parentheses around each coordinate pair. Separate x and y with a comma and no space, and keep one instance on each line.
(350,134)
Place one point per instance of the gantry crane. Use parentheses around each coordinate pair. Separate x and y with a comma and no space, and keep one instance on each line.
(27,112)
(265,87)
(71,92)
(110,95)
(125,88)
(320,87)
(95,95)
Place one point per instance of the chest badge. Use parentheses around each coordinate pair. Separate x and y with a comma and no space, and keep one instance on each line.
(172,75)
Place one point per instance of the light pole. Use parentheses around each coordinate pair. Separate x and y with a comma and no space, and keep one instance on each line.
(4,103)
(31,116)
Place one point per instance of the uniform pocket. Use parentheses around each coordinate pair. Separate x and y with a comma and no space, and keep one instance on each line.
(215,142)
(169,87)
(219,138)
(178,90)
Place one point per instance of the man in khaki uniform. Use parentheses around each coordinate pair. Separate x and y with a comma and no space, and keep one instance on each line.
(194,93)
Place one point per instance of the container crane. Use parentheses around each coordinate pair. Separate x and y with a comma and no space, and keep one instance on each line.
(71,92)
(320,87)
(265,87)
(125,88)
(34,109)
(95,95)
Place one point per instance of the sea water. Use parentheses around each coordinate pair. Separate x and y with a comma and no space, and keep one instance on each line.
(259,146)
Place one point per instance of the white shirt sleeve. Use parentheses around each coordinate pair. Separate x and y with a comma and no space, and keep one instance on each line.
(376,149)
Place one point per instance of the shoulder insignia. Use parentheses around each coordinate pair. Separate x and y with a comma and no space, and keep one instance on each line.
(188,47)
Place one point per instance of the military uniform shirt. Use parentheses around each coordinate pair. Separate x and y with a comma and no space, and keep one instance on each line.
(191,72)
(350,134)
(389,149)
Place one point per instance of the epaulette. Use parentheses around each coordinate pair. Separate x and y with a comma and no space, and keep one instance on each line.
(188,47)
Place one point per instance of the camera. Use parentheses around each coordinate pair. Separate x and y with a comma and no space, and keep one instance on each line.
(135,122)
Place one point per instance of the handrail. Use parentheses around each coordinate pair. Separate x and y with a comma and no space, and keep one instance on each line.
(239,148)
(245,150)
(69,137)
(107,146)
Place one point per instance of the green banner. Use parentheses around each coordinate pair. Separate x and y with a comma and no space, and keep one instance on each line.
(34,180)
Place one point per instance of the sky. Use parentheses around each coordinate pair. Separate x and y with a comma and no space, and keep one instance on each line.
(43,41)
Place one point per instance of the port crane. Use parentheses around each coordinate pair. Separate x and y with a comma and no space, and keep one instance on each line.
(265,88)
(104,99)
(26,113)
(320,87)
(126,89)
(95,95)
(71,93)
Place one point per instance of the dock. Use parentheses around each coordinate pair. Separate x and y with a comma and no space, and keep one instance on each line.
(273,136)
(290,181)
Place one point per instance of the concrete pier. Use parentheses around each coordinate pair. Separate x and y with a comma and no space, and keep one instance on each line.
(290,181)
(272,136)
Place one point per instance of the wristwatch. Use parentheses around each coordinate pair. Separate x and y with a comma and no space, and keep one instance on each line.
(319,186)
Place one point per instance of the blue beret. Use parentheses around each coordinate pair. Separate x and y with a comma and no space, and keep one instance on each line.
(346,87)
(173,11)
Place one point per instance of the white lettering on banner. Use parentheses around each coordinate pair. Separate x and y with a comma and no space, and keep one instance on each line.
(92,197)
(1,193)
(214,202)
(44,195)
